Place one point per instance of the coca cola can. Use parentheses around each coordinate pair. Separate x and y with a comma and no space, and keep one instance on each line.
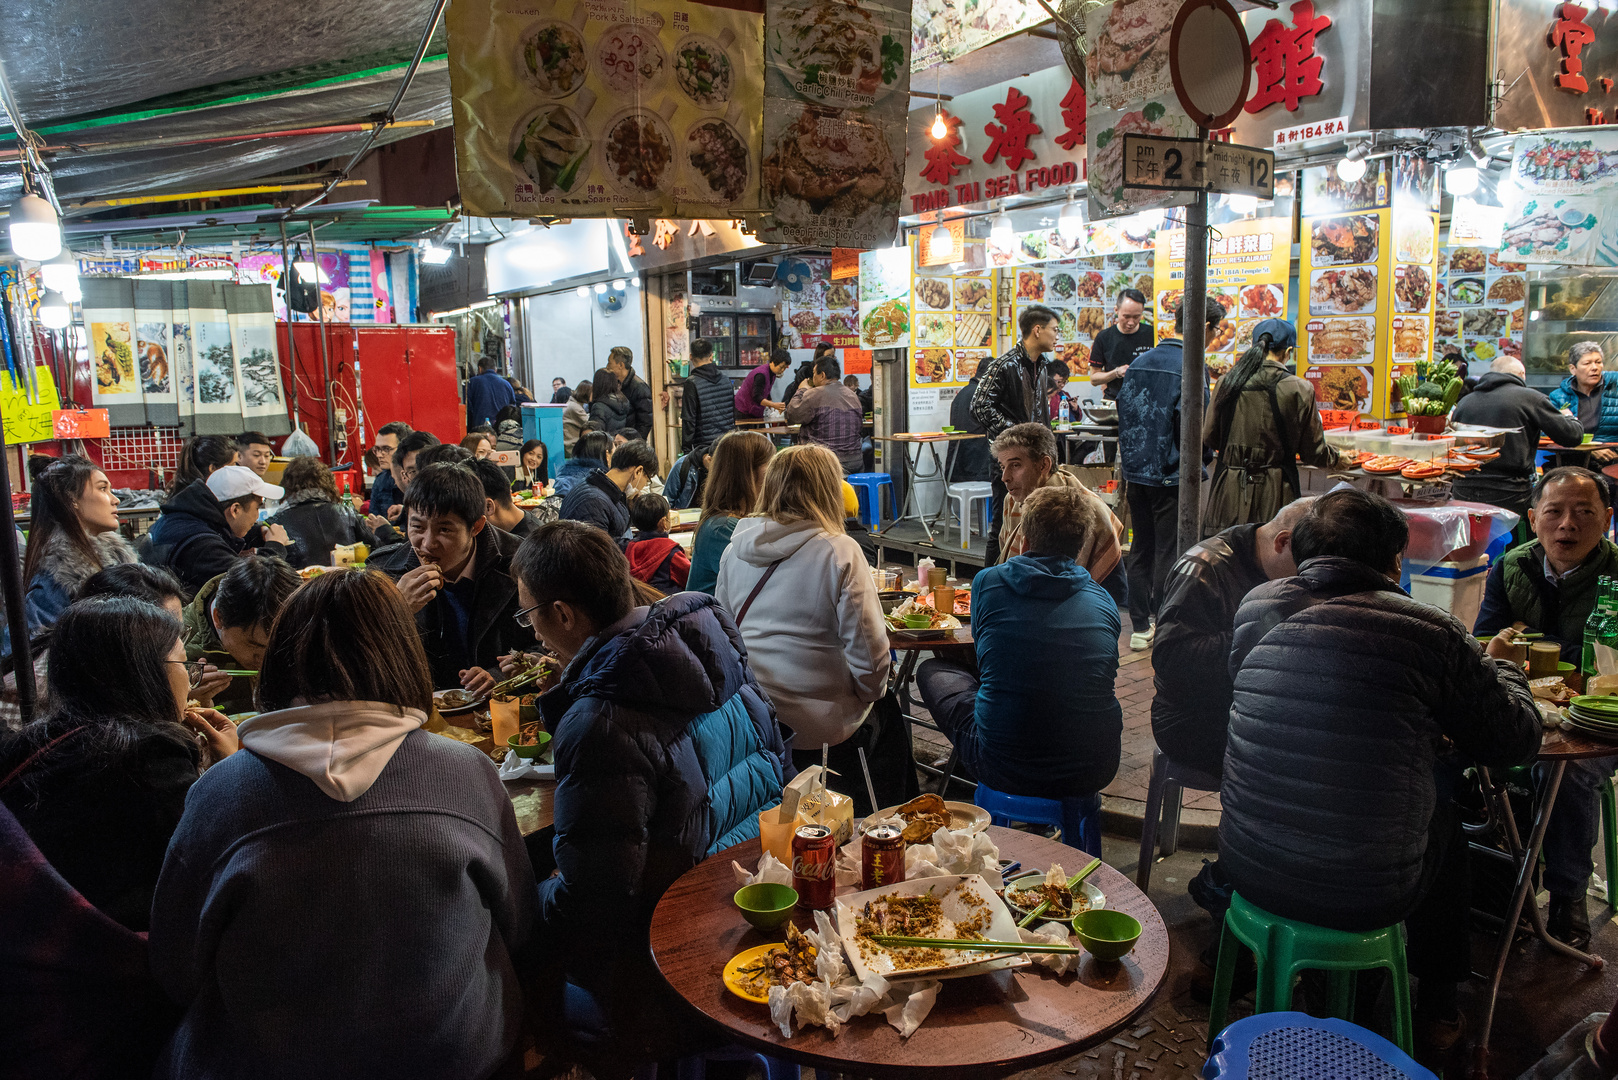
(882,856)
(814,866)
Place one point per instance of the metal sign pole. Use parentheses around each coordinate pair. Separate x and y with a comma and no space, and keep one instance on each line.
(1192,379)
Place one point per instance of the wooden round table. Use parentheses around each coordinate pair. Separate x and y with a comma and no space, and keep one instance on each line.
(982,1025)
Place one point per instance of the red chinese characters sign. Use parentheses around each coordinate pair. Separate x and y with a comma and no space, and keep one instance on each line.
(1285,66)
(1010,136)
(1570,34)
(943,160)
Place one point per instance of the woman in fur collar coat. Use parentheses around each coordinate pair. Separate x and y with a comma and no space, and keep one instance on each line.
(74,535)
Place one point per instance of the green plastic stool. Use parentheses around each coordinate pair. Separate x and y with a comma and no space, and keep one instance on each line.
(1282,948)
(1609,840)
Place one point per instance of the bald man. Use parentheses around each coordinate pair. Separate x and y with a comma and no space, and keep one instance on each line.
(1502,399)
(1191,653)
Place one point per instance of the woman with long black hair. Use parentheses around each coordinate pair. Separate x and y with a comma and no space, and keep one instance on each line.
(1262,422)
(73,534)
(203,454)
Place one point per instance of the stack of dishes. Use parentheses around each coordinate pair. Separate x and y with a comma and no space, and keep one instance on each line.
(1596,716)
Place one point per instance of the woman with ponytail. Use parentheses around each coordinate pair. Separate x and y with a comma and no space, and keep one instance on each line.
(201,456)
(1262,422)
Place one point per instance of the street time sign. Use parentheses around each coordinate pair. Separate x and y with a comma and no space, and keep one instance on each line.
(1160,163)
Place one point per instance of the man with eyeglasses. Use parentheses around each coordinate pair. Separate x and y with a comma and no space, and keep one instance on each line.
(455,574)
(385,492)
(1120,343)
(402,468)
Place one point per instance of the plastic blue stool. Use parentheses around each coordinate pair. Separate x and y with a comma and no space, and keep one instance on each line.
(868,486)
(695,1067)
(1296,1046)
(1078,816)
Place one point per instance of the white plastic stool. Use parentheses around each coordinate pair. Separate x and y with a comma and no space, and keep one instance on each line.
(964,495)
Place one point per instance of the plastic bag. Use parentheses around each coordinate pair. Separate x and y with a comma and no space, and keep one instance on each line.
(299,444)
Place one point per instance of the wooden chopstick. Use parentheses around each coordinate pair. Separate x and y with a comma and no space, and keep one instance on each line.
(1072,883)
(891,942)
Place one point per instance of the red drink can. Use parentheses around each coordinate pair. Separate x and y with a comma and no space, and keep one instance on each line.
(882,856)
(814,866)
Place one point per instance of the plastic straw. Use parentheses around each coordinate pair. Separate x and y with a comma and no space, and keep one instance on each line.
(870,788)
(825,763)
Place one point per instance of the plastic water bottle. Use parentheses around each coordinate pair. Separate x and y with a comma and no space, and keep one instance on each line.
(1064,412)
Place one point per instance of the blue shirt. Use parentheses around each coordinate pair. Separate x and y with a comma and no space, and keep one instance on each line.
(1149,416)
(486,395)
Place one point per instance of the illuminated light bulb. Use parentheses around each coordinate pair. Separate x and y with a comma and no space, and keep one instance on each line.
(35,232)
(1071,222)
(601,287)
(583,290)
(1242,204)
(1350,170)
(1461,179)
(1001,232)
(54,312)
(940,244)
(940,129)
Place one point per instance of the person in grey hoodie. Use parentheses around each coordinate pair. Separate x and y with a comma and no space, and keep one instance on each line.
(345,897)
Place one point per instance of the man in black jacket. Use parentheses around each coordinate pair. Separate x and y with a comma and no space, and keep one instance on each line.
(1336,803)
(1502,399)
(603,498)
(1013,390)
(708,402)
(455,574)
(971,460)
(1191,654)
(199,534)
(620,361)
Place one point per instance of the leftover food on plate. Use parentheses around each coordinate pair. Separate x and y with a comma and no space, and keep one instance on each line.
(750,974)
(1344,291)
(934,292)
(554,58)
(923,816)
(922,915)
(1024,894)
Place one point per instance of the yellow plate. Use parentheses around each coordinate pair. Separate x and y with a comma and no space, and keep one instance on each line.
(733,980)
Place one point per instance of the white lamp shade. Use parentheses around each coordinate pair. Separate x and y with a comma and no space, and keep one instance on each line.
(1071,222)
(59,272)
(1461,180)
(72,292)
(583,290)
(54,311)
(1001,231)
(35,232)
(940,244)
(1350,170)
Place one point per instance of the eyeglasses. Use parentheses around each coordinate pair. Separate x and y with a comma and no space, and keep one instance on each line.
(525,619)
(193,669)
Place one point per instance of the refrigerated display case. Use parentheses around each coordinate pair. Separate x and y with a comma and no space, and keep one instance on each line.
(741,341)
(1568,305)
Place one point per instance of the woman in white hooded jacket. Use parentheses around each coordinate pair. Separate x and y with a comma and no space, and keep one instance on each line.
(801,593)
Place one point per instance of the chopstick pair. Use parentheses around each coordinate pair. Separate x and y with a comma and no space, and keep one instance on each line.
(1072,883)
(895,942)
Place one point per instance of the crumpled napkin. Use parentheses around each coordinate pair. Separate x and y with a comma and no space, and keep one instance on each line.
(955,852)
(516,768)
(836,997)
(770,869)
(1052,933)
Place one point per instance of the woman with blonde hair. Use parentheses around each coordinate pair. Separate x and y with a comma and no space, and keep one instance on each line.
(734,480)
(801,593)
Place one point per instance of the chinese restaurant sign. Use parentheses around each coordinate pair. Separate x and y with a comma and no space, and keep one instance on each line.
(1248,265)
(1560,61)
(1013,138)
(1311,73)
(837,87)
(600,108)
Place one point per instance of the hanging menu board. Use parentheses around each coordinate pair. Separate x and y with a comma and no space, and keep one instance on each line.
(1248,266)
(1415,269)
(953,330)
(590,108)
(1480,306)
(824,311)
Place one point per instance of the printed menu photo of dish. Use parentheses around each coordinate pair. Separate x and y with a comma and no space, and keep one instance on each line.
(1067,324)
(1412,288)
(829,164)
(637,151)
(932,365)
(630,59)
(967,362)
(1262,302)
(1091,321)
(973,294)
(1413,240)
(1343,386)
(1030,285)
(1466,291)
(842,294)
(1508,289)
(1343,292)
(550,146)
(1339,341)
(833,50)
(1468,260)
(933,292)
(1130,57)
(935,329)
(1076,355)
(1338,241)
(1410,339)
(703,70)
(1224,337)
(972,330)
(838,322)
(553,57)
(716,161)
(1168,302)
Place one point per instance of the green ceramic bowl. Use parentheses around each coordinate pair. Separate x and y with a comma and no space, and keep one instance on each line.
(766,905)
(918,620)
(1106,934)
(529,750)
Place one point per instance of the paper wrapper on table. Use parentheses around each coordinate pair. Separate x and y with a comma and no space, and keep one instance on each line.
(770,870)
(1052,933)
(836,997)
(955,852)
(519,768)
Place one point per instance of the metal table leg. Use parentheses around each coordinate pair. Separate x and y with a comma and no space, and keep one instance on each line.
(908,475)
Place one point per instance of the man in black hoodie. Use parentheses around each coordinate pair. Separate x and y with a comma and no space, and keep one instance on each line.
(1502,399)
(200,532)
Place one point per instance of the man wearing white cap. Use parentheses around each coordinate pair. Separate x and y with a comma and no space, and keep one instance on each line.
(201,530)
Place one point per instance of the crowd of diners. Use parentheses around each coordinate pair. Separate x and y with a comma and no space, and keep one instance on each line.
(321,887)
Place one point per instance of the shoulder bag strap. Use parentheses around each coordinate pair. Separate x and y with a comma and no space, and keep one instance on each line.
(768,573)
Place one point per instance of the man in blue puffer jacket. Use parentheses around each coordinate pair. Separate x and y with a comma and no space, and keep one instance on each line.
(666,752)
(1590,394)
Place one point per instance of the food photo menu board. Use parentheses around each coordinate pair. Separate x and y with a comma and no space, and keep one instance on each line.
(1414,221)
(1248,265)
(591,107)
(953,325)
(1480,306)
(1083,293)
(823,311)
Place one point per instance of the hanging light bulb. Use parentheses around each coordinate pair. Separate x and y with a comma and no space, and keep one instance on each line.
(1350,170)
(1000,233)
(940,129)
(72,292)
(54,312)
(1070,224)
(618,285)
(35,232)
(1242,204)
(583,290)
(1461,179)
(58,272)
(601,287)
(940,244)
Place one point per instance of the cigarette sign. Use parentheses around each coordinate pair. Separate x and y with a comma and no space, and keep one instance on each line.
(1166,164)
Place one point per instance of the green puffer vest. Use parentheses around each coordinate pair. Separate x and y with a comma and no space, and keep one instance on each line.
(1559,612)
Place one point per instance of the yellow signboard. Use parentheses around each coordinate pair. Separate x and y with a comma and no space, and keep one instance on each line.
(1248,265)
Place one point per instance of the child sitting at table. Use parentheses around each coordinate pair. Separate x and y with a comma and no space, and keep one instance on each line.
(655,557)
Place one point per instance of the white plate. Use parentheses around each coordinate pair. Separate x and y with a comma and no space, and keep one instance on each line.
(1096,898)
(962,815)
(1002,927)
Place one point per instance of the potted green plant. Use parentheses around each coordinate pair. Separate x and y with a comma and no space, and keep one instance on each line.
(1428,394)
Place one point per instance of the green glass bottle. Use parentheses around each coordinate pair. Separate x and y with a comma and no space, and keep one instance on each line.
(1600,626)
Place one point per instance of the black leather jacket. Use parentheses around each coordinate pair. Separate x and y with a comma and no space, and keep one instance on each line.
(316,526)
(1003,399)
